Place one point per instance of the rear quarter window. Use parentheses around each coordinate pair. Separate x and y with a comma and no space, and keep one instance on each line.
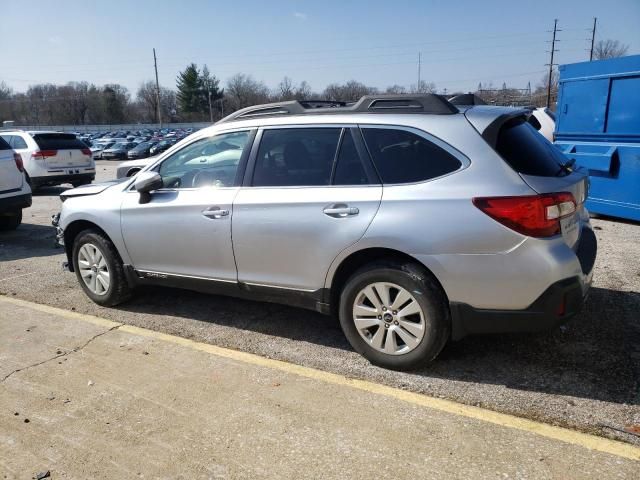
(528,152)
(401,156)
(58,141)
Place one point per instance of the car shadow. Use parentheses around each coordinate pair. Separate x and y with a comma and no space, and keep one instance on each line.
(596,355)
(28,241)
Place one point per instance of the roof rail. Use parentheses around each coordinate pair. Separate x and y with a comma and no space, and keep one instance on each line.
(425,103)
(467,99)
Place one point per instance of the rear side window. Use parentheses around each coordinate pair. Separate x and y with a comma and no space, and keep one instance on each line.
(296,157)
(528,152)
(349,169)
(404,157)
(58,141)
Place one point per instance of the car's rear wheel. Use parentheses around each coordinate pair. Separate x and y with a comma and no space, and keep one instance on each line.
(11,221)
(99,269)
(395,315)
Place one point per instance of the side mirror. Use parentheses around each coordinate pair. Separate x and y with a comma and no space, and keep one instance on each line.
(145,183)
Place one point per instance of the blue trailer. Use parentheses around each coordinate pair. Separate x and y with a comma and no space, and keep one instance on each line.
(598,125)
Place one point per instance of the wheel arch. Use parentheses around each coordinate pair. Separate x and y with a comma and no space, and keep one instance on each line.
(71,232)
(356,260)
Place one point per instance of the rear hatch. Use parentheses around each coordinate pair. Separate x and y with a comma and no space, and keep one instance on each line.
(62,150)
(541,165)
(10,176)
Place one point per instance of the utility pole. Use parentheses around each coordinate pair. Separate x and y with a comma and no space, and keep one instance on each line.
(155,65)
(551,64)
(593,37)
(210,111)
(419,66)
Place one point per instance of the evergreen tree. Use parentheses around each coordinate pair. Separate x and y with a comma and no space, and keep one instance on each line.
(190,89)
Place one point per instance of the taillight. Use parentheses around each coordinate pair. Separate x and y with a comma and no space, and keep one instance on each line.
(42,154)
(532,215)
(18,159)
(86,151)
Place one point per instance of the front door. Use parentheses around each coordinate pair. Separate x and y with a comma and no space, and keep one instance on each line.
(185,229)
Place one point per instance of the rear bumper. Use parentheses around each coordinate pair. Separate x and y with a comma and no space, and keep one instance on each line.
(13,204)
(58,179)
(555,306)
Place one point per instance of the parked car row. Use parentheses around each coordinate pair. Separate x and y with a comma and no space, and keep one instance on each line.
(120,145)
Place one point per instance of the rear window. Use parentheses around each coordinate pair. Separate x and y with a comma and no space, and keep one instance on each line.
(58,141)
(528,152)
(4,145)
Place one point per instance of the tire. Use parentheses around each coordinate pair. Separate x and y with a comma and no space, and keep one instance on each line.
(117,290)
(428,330)
(11,222)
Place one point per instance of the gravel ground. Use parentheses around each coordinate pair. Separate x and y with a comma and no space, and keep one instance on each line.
(585,375)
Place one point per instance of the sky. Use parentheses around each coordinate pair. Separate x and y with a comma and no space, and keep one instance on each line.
(462,43)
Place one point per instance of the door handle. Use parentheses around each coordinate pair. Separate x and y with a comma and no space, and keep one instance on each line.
(341,210)
(215,212)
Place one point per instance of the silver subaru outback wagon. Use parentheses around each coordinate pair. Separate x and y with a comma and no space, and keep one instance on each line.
(414,220)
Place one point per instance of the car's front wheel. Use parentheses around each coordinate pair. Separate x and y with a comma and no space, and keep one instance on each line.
(395,315)
(99,269)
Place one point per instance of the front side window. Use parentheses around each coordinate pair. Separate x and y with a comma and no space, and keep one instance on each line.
(296,157)
(401,156)
(209,162)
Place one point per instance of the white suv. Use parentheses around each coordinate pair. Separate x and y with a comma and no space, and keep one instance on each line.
(52,158)
(15,193)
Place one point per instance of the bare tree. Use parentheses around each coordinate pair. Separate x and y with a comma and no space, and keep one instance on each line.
(609,49)
(349,92)
(243,91)
(286,89)
(423,87)
(396,89)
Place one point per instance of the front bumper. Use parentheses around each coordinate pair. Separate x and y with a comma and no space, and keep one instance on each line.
(15,203)
(55,221)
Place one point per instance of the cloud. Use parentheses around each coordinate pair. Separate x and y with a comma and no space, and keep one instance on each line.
(300,15)
(55,40)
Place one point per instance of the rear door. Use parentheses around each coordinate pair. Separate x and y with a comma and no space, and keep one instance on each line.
(10,176)
(308,195)
(62,150)
(540,164)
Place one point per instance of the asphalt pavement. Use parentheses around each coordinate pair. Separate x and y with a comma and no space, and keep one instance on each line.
(584,376)
(84,397)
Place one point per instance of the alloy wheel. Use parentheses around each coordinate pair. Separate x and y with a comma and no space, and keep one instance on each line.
(389,318)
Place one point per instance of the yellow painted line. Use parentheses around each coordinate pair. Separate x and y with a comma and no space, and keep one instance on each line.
(585,440)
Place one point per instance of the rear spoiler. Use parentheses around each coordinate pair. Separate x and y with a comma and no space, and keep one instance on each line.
(489,120)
